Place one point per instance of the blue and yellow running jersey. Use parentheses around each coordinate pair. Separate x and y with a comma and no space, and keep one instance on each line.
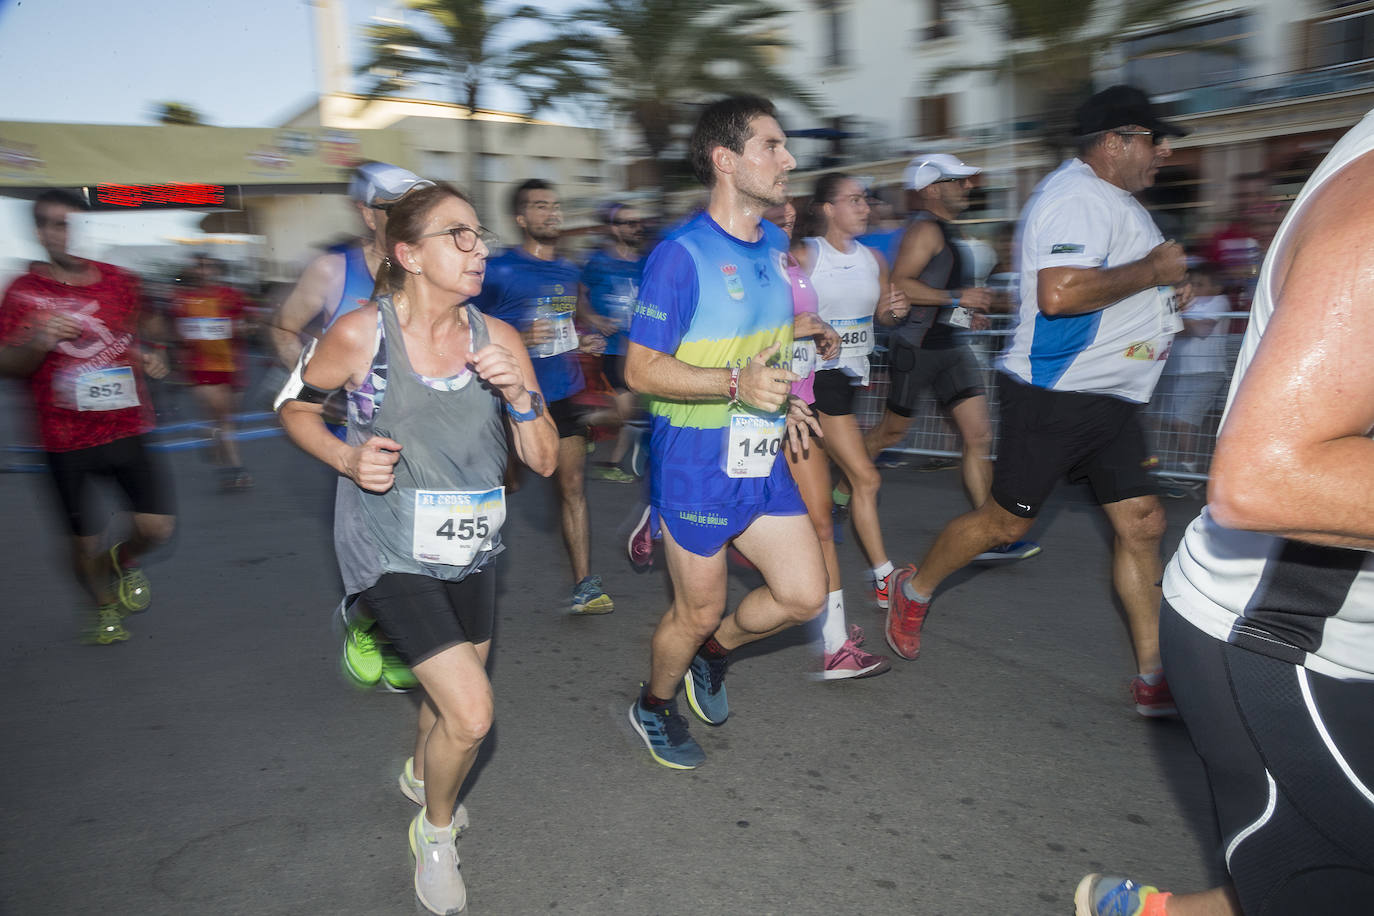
(710,300)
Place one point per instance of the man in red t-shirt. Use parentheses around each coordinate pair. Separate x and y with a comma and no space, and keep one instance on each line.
(70,327)
(209,318)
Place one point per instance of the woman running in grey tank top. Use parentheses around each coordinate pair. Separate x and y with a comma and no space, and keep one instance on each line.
(433,386)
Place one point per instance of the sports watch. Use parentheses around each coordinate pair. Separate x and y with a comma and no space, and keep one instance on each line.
(535,412)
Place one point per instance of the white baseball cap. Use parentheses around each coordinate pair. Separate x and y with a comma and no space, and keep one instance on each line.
(379,183)
(926,170)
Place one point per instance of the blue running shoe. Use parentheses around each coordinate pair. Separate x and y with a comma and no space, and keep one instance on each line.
(590,598)
(705,680)
(665,735)
(1112,895)
(1016,550)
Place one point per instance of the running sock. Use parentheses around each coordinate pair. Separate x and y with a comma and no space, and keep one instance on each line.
(911,593)
(1156,903)
(1152,677)
(712,649)
(840,499)
(832,622)
(882,572)
(429,830)
(651,702)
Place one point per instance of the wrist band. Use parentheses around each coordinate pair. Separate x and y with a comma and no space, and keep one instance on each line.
(954,300)
(734,384)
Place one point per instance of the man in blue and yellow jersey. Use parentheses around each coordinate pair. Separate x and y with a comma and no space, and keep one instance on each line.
(714,312)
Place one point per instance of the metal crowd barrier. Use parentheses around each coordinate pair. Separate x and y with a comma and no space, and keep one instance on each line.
(1183,454)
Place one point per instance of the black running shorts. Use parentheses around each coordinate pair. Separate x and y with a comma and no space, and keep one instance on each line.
(422,615)
(135,470)
(1289,755)
(952,374)
(1046,435)
(568,417)
(834,392)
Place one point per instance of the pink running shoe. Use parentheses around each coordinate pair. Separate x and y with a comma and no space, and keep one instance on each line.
(641,542)
(1153,700)
(851,661)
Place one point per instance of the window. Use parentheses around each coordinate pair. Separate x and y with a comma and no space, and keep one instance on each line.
(835,18)
(932,116)
(939,26)
(1341,40)
(1195,55)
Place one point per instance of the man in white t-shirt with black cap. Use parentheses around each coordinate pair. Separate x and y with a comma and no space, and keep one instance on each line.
(1097,315)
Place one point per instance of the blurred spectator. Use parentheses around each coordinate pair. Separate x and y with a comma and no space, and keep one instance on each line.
(1195,373)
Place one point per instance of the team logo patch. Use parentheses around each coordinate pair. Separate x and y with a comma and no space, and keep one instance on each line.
(761,271)
(1064,248)
(733,285)
(1143,350)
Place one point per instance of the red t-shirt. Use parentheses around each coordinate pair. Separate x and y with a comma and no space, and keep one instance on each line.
(205,321)
(90,390)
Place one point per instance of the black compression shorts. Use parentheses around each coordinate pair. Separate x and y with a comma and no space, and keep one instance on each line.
(135,470)
(422,615)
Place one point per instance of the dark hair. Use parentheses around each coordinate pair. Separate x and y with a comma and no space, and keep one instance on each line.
(405,222)
(61,198)
(518,196)
(811,219)
(724,123)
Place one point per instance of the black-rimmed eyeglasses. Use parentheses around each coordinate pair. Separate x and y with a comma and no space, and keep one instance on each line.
(465,237)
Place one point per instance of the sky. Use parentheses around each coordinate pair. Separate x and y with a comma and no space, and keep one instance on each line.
(96,61)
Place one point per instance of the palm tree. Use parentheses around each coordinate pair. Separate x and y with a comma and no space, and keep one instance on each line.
(453,49)
(652,61)
(177,113)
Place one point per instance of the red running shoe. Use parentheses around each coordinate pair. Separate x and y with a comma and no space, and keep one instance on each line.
(905,617)
(1153,700)
(882,586)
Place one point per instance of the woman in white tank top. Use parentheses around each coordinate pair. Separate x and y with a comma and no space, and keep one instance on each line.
(851,284)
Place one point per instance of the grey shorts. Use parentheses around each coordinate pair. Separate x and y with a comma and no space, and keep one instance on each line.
(953,374)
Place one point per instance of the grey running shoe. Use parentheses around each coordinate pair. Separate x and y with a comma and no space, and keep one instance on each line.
(438,882)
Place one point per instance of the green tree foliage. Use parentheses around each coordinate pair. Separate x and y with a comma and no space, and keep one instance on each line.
(452,48)
(653,61)
(177,113)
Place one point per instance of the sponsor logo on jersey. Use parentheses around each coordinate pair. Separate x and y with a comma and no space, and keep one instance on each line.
(733,285)
(1065,248)
(1143,350)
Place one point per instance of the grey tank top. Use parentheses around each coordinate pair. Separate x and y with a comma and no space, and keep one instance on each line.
(453,437)
(922,327)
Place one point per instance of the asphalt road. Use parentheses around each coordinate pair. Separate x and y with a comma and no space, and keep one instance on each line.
(218,763)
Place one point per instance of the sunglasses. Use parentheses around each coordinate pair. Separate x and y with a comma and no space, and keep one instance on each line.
(1156,136)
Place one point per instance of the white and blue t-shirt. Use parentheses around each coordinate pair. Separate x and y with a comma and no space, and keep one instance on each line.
(1076,219)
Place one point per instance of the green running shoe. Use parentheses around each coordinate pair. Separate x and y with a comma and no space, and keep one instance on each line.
(135,592)
(362,657)
(107,626)
(396,674)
